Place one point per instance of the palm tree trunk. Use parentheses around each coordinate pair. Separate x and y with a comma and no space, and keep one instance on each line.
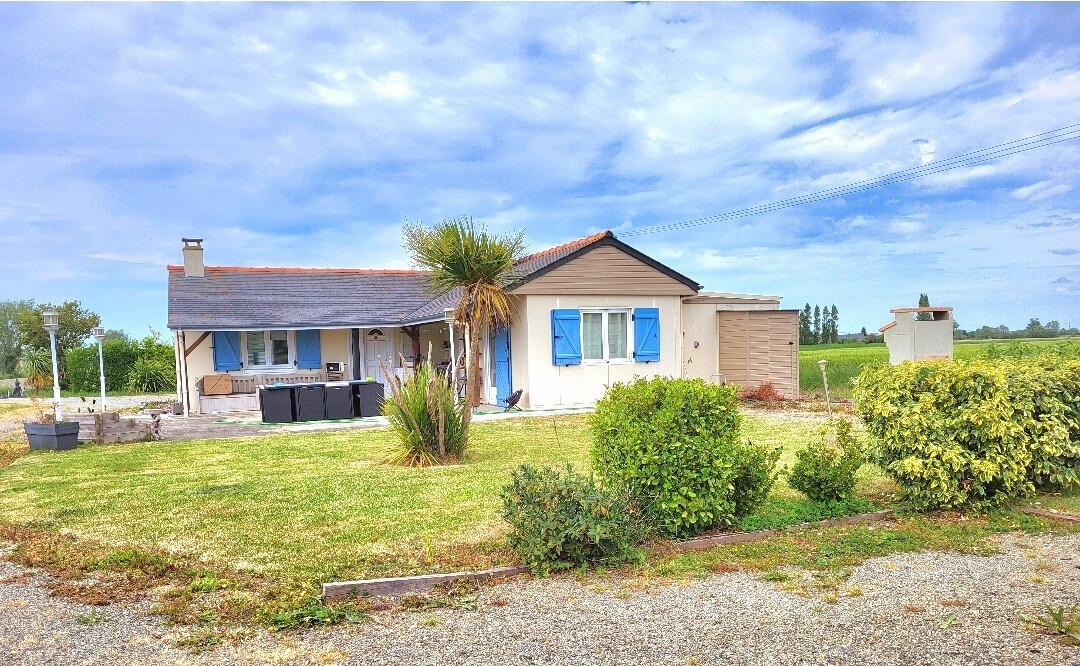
(472,387)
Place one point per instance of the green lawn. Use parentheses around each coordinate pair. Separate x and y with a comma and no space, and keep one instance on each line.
(318,507)
(845,361)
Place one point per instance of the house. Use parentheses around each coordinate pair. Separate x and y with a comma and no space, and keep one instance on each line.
(911,338)
(589,313)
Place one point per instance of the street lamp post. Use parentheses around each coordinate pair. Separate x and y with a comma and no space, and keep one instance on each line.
(51,321)
(99,333)
(825,383)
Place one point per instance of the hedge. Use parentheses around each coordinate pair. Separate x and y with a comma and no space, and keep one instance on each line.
(958,434)
(149,355)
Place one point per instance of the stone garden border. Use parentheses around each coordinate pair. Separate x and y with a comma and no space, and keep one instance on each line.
(392,587)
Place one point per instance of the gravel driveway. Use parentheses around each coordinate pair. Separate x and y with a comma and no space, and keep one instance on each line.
(926,608)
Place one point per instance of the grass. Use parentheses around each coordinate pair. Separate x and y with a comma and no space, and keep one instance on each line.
(830,552)
(316,507)
(246,529)
(847,360)
(1067,502)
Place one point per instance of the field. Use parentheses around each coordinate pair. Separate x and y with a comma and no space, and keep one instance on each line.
(846,360)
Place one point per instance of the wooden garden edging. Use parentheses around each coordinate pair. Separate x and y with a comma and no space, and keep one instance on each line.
(393,587)
(1053,515)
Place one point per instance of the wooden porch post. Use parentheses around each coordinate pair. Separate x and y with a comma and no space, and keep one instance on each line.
(414,335)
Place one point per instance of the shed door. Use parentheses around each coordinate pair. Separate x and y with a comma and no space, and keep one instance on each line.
(759,346)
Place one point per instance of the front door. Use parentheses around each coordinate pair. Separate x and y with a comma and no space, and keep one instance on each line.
(501,343)
(376,346)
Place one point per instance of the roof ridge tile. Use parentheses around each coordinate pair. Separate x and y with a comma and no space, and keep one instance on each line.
(286,269)
(588,240)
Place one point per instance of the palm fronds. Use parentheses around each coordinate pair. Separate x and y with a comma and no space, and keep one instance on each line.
(482,265)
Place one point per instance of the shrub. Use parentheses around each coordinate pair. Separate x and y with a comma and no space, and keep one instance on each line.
(156,365)
(825,469)
(673,444)
(763,392)
(150,375)
(754,475)
(36,365)
(431,428)
(973,434)
(1045,396)
(565,519)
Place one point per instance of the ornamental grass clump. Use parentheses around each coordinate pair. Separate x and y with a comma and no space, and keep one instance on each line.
(825,469)
(674,445)
(431,428)
(960,434)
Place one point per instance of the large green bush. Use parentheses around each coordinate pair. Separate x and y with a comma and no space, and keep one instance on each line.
(564,519)
(152,359)
(825,469)
(674,445)
(82,365)
(973,433)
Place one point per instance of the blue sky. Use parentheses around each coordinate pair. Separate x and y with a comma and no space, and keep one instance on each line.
(305,135)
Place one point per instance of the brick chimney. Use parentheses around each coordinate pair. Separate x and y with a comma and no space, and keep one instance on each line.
(193,257)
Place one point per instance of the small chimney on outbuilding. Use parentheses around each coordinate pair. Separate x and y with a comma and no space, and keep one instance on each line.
(193,257)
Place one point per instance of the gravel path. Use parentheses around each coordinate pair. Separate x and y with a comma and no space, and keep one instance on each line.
(902,617)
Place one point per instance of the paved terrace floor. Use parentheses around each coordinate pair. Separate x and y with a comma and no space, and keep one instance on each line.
(248,424)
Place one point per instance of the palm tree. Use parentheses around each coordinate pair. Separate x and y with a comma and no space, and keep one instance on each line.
(479,264)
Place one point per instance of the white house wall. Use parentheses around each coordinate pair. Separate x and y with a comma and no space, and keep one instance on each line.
(699,326)
(700,339)
(334,347)
(547,385)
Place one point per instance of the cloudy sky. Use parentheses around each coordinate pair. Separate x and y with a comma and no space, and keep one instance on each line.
(305,135)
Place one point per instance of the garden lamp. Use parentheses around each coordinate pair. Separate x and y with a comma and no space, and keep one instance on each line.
(51,321)
(825,382)
(99,333)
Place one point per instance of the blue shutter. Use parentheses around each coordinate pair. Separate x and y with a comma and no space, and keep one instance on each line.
(226,351)
(566,337)
(646,335)
(308,350)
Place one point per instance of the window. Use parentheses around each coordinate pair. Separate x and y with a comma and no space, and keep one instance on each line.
(605,336)
(266,349)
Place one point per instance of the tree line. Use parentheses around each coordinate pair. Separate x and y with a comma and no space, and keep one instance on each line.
(138,365)
(819,325)
(1034,329)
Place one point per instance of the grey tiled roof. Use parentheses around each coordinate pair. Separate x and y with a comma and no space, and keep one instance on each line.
(434,309)
(237,297)
(232,297)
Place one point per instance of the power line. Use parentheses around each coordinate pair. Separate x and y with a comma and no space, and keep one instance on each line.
(969,159)
(929,169)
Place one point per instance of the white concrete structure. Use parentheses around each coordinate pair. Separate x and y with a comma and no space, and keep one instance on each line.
(911,339)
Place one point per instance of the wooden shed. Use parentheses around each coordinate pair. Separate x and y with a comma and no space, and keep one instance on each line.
(741,339)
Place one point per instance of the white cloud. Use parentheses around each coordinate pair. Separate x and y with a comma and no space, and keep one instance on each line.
(1044,189)
(907,227)
(304,135)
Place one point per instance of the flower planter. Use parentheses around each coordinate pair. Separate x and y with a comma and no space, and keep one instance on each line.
(62,436)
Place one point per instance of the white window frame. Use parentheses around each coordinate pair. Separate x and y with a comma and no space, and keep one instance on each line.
(290,340)
(607,360)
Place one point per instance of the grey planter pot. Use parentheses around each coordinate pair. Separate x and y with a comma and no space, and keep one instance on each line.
(62,436)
